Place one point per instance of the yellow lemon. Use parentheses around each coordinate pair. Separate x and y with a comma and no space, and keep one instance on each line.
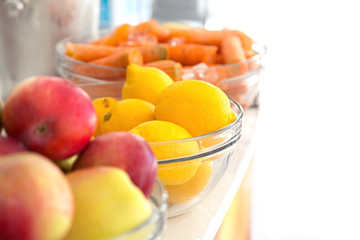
(107,203)
(126,114)
(144,83)
(187,191)
(102,106)
(156,132)
(197,106)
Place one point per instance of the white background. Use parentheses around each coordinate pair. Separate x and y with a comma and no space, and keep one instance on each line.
(307,166)
(306,179)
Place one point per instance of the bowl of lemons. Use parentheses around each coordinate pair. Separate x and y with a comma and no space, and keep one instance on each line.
(192,126)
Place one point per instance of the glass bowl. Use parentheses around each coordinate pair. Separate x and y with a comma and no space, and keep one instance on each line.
(239,84)
(190,177)
(152,228)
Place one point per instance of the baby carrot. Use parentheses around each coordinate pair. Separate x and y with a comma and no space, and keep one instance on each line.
(119,35)
(246,41)
(139,39)
(100,40)
(170,67)
(210,37)
(233,52)
(192,54)
(121,59)
(153,27)
(219,59)
(153,53)
(199,36)
(90,52)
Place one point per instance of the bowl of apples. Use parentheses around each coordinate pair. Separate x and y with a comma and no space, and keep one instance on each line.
(65,183)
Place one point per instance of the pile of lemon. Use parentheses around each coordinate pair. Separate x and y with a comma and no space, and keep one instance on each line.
(159,109)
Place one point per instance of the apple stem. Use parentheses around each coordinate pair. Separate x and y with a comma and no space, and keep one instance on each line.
(42,129)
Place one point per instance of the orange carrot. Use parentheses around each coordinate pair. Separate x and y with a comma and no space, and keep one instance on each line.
(191,54)
(100,40)
(170,67)
(199,36)
(137,40)
(90,52)
(121,59)
(246,41)
(119,35)
(210,37)
(214,73)
(154,53)
(233,52)
(154,28)
(219,59)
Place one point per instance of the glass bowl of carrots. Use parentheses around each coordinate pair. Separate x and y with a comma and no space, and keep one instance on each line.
(227,58)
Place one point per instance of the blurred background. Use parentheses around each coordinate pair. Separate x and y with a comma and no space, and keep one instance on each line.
(305,177)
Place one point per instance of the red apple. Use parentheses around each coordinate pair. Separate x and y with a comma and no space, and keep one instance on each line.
(124,150)
(10,146)
(51,116)
(36,200)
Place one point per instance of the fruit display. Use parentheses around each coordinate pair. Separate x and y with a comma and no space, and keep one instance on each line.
(226,58)
(58,181)
(192,128)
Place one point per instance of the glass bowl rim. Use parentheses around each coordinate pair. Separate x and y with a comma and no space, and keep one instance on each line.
(204,136)
(155,214)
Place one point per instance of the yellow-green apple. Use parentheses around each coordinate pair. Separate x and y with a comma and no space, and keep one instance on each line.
(50,115)
(124,150)
(10,146)
(66,165)
(107,203)
(36,201)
